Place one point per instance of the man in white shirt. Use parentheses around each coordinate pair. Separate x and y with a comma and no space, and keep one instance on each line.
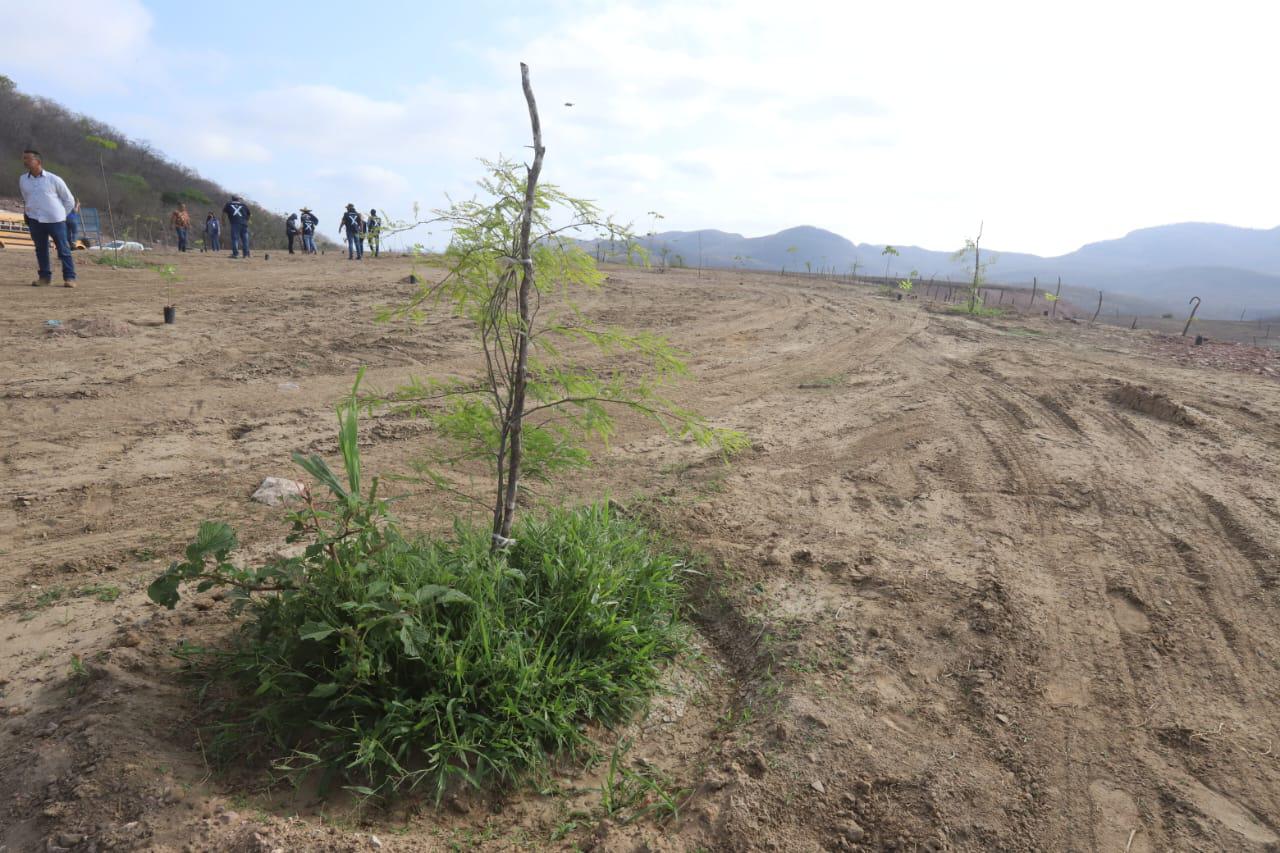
(48,201)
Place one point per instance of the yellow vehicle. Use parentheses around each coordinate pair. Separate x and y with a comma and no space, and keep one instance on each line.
(14,232)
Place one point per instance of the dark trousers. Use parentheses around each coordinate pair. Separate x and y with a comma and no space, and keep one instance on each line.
(41,234)
(213,241)
(291,235)
(182,239)
(239,239)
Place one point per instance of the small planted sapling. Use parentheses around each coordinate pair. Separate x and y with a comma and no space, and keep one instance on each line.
(103,145)
(890,253)
(973,248)
(511,271)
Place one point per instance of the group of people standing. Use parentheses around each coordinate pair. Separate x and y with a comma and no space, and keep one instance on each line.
(52,215)
(303,227)
(297,228)
(236,213)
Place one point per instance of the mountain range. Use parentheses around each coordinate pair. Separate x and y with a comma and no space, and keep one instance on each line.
(1152,269)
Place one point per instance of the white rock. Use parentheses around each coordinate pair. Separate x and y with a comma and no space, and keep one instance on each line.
(276,490)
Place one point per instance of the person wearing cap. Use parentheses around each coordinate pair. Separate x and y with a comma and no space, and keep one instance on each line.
(309,222)
(238,213)
(373,227)
(291,229)
(46,203)
(353,223)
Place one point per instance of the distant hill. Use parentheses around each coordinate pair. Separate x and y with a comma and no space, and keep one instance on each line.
(145,185)
(1231,269)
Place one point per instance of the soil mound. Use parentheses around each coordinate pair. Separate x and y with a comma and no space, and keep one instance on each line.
(1152,403)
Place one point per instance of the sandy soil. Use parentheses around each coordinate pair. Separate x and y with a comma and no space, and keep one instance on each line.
(997,585)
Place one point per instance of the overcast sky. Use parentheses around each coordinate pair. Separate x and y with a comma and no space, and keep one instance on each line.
(905,122)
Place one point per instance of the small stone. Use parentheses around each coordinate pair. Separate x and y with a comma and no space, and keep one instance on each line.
(127,638)
(1002,718)
(817,785)
(852,832)
(228,817)
(457,806)
(374,842)
(276,490)
(69,839)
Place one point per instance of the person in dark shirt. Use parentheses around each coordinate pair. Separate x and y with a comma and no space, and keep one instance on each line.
(238,213)
(373,227)
(353,223)
(73,225)
(291,229)
(309,222)
(212,233)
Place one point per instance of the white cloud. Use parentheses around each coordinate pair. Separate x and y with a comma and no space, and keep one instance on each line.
(215,145)
(83,45)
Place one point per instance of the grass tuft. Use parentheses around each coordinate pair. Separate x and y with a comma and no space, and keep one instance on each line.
(389,664)
(438,662)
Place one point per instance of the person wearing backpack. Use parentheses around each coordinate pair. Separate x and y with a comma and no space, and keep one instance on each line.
(353,223)
(309,222)
(238,213)
(373,227)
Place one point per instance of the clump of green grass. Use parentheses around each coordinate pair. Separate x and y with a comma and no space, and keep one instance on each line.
(388,663)
(119,260)
(978,311)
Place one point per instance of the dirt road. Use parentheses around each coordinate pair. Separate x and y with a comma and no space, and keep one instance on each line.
(973,588)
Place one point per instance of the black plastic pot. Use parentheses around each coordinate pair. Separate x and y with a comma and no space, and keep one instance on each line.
(170,314)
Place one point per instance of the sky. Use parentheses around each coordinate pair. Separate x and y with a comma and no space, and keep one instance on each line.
(909,123)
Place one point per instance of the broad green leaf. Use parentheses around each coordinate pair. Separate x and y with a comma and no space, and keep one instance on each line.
(315,631)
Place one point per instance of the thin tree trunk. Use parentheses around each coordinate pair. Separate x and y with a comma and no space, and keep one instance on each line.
(1053,315)
(1195,306)
(1034,284)
(1099,311)
(977,270)
(516,413)
(107,190)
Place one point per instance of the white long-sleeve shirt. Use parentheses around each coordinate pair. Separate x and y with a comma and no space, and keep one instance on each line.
(47,198)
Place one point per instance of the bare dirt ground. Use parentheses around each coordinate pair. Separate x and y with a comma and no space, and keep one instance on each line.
(979,585)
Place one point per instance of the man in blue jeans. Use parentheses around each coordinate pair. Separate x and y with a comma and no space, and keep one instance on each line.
(237,213)
(353,223)
(309,222)
(47,202)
